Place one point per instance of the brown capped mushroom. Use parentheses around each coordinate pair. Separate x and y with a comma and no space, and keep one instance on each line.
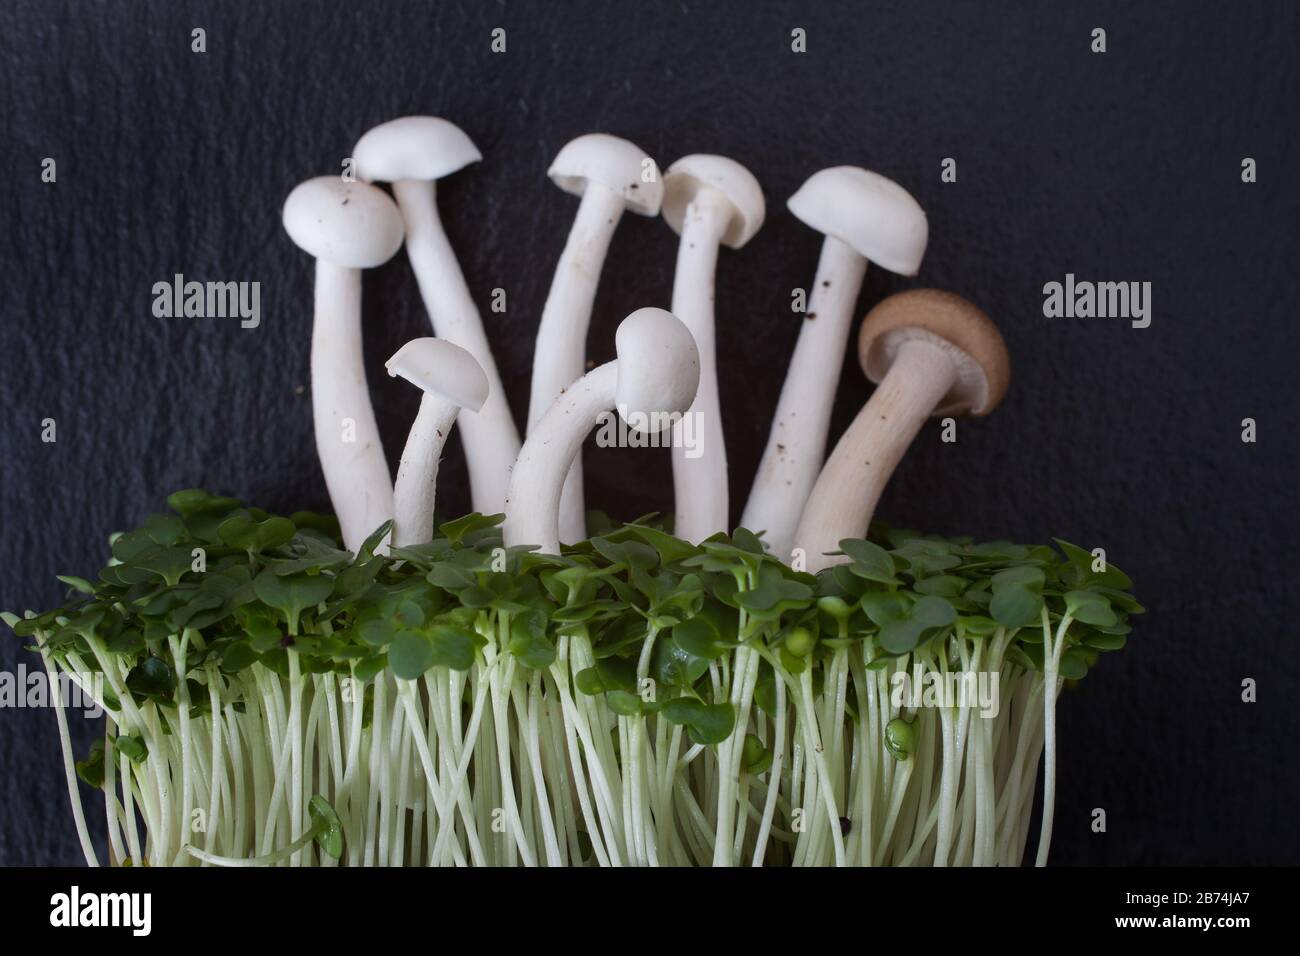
(931,353)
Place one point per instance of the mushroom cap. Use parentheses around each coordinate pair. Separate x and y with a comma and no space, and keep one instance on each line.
(442,369)
(875,216)
(612,162)
(413,147)
(658,365)
(691,175)
(951,322)
(355,225)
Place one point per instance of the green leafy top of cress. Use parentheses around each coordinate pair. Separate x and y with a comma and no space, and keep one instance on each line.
(247,588)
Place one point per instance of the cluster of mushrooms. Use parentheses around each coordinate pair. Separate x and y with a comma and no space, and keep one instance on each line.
(930,353)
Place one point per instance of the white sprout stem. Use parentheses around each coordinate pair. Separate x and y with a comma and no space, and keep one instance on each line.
(700,473)
(498,682)
(842,502)
(434,786)
(69,768)
(560,358)
(745,681)
(415,492)
(490,436)
(347,437)
(527,704)
(268,859)
(774,777)
(533,505)
(797,440)
(814,741)
(1051,670)
(178,647)
(112,809)
(423,780)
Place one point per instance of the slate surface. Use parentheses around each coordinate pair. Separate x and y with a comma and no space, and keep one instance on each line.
(1122,166)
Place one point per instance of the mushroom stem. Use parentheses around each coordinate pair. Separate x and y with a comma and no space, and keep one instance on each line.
(490,436)
(351,456)
(858,469)
(561,355)
(655,375)
(797,442)
(554,441)
(700,482)
(417,473)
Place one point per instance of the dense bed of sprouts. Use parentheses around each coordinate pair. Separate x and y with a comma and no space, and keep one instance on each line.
(272,698)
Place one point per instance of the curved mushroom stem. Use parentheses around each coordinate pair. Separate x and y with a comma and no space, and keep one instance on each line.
(347,438)
(797,441)
(490,436)
(533,503)
(857,471)
(700,482)
(417,473)
(561,354)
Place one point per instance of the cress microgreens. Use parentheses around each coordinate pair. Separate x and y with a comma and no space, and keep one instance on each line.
(636,700)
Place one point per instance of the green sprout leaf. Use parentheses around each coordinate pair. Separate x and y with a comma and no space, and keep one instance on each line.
(458,531)
(76,583)
(1074,664)
(367,549)
(410,654)
(152,679)
(291,594)
(325,825)
(755,758)
(1090,608)
(902,631)
(312,553)
(133,747)
(196,501)
(611,673)
(168,563)
(252,536)
(1015,605)
(900,739)
(706,724)
(699,637)
(529,642)
(91,770)
(453,647)
(625,704)
(773,594)
(869,561)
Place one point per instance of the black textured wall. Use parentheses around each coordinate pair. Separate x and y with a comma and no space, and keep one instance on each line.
(1122,166)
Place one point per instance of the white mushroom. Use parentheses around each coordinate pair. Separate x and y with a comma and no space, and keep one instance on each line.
(411,153)
(863,216)
(610,175)
(654,377)
(347,227)
(451,380)
(707,200)
(932,354)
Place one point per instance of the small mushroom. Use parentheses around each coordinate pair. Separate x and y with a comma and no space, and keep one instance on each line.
(931,353)
(708,200)
(654,376)
(609,174)
(412,153)
(347,227)
(864,216)
(451,379)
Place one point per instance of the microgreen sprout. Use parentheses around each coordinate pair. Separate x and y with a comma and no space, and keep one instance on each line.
(326,831)
(634,699)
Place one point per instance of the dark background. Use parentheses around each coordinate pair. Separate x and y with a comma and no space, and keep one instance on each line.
(1122,166)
